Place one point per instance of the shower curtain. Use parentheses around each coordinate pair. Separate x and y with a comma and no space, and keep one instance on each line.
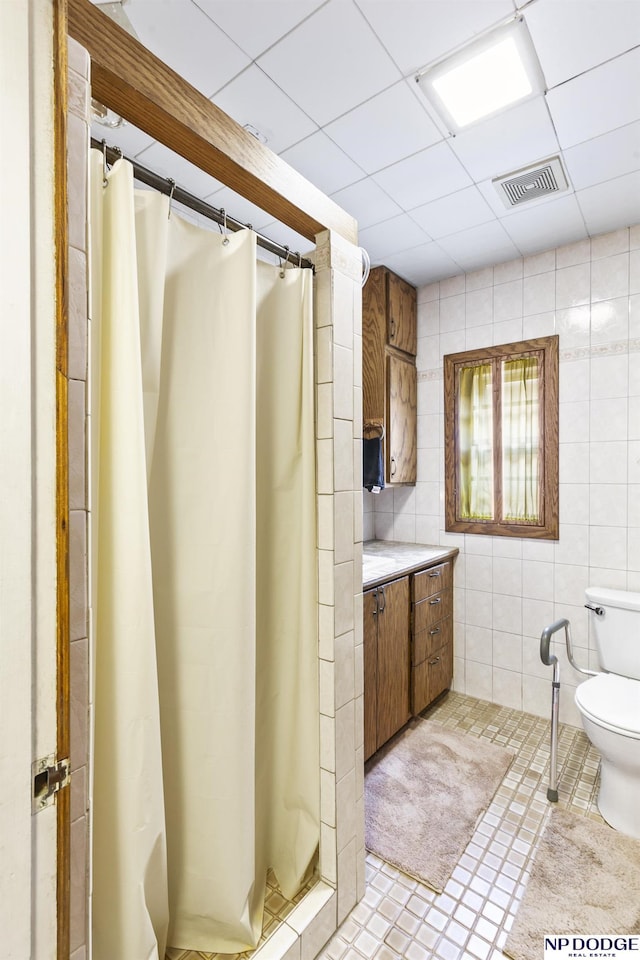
(206,768)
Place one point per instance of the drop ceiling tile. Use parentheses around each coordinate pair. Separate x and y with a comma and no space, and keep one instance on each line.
(611,205)
(432,173)
(253,98)
(257,24)
(331,62)
(185,39)
(604,158)
(168,164)
(480,246)
(424,264)
(546,224)
(459,211)
(240,208)
(415,33)
(390,237)
(367,202)
(279,233)
(513,139)
(128,138)
(596,102)
(323,163)
(387,128)
(570,41)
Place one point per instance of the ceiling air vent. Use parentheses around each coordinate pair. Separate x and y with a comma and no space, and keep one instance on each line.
(531,183)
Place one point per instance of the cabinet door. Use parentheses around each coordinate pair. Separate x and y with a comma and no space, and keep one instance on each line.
(393,658)
(370,639)
(374,325)
(401,447)
(401,315)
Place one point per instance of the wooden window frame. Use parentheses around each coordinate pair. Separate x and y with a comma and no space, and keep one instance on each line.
(548,351)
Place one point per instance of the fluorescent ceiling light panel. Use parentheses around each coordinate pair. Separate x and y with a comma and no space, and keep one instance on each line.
(488,75)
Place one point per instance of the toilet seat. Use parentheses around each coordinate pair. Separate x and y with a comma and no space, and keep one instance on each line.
(613,702)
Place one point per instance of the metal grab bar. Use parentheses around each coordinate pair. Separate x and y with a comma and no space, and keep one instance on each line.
(550,660)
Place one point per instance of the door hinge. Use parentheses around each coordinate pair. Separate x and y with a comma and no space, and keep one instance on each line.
(48,777)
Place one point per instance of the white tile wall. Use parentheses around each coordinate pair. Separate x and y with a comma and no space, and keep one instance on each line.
(507,590)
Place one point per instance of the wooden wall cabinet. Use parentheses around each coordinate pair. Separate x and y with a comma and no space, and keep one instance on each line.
(389,343)
(387,660)
(432,634)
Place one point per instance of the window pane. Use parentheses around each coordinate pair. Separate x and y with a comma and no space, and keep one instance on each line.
(475,423)
(520,440)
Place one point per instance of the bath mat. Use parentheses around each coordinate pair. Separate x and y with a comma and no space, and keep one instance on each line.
(424,795)
(585,879)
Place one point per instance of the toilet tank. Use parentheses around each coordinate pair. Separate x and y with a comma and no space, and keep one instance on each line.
(617,631)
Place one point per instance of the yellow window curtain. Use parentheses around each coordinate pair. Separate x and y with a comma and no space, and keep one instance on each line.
(520,440)
(476,442)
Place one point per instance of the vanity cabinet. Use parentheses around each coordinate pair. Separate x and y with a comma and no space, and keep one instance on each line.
(387,662)
(432,634)
(408,638)
(389,376)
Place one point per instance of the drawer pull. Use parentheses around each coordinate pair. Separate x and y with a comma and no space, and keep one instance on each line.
(435,573)
(434,631)
(434,661)
(433,603)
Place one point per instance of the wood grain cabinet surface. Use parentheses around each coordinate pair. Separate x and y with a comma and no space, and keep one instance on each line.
(387,662)
(389,343)
(408,649)
(432,634)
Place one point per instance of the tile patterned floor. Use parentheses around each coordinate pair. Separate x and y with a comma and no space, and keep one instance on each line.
(400,917)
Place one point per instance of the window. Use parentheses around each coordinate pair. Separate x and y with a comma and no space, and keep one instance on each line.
(501,440)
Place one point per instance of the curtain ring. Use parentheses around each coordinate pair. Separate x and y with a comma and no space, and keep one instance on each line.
(172,191)
(283,262)
(223,227)
(105,169)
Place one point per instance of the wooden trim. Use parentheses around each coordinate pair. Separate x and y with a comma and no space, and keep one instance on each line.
(60,79)
(129,79)
(548,529)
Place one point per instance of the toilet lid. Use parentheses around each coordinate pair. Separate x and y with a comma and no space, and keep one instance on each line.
(612,701)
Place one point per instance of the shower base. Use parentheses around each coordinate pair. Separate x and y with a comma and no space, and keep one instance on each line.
(276,909)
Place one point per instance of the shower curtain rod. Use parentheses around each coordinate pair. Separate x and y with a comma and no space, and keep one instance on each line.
(219,215)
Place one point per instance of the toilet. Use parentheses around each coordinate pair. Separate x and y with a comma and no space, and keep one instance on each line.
(609,704)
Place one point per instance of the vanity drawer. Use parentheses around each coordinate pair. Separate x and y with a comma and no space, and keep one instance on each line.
(425,642)
(427,612)
(431,677)
(432,581)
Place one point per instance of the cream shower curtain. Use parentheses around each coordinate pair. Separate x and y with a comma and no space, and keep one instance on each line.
(206,740)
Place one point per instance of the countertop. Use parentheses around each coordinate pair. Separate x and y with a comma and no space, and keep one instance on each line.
(384,560)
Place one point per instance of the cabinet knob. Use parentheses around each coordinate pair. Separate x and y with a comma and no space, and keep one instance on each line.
(434,631)
(434,661)
(432,603)
(392,330)
(393,466)
(435,573)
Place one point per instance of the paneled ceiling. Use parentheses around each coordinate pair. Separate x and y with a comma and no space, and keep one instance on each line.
(330,85)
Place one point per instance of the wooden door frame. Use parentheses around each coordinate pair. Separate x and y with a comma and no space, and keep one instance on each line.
(61,241)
